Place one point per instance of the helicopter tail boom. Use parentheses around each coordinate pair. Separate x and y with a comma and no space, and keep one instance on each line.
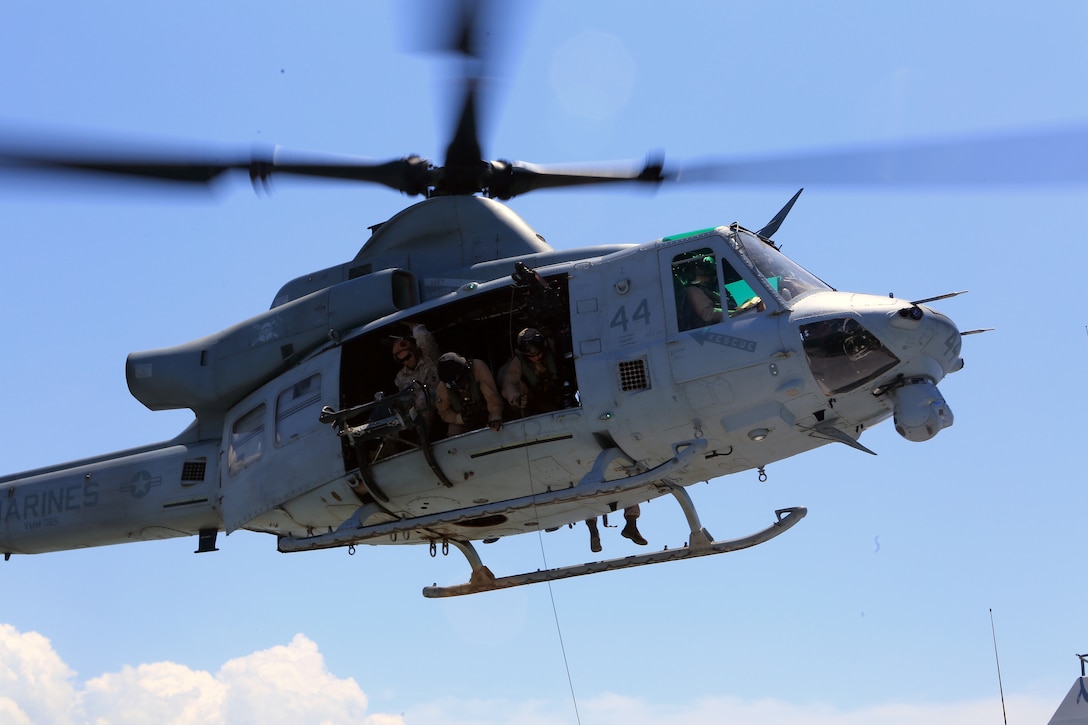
(155,492)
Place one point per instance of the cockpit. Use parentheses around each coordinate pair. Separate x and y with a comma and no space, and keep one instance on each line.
(789,279)
(841,352)
(849,341)
(711,286)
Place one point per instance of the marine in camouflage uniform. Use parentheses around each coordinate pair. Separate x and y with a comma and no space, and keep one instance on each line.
(467,397)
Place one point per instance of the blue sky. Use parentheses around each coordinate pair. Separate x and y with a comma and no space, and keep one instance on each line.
(874,609)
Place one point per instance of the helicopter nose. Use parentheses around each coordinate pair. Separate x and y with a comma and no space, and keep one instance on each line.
(919,408)
(939,339)
(890,347)
(858,340)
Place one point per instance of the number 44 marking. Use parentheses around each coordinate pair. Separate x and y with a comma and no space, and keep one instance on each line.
(641,314)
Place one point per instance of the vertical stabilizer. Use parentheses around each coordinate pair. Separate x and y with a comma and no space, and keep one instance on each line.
(1074,708)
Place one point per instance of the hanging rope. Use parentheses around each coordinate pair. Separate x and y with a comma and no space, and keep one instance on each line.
(551,596)
(559,632)
(540,535)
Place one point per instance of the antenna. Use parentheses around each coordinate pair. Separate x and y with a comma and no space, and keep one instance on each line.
(1083,659)
(1000,687)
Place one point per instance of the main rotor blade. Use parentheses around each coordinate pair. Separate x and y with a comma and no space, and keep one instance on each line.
(410,175)
(1043,157)
(59,156)
(161,167)
(511,179)
(464,162)
(474,31)
(450,26)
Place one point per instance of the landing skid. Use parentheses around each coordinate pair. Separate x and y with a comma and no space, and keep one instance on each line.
(700,544)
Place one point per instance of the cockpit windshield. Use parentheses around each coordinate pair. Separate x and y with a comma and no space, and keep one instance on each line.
(788,278)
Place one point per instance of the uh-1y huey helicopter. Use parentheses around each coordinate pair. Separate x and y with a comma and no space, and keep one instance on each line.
(301,433)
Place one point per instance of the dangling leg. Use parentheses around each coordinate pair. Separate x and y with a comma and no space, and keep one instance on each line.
(630,531)
(594,535)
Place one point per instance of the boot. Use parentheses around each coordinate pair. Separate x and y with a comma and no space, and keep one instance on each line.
(630,531)
(594,536)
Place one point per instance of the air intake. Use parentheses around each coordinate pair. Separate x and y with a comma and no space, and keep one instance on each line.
(633,375)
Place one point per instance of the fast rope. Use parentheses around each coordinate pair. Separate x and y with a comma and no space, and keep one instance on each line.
(540,537)
(559,632)
(551,596)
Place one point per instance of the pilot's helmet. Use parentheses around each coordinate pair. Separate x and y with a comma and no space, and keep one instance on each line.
(531,341)
(705,265)
(451,367)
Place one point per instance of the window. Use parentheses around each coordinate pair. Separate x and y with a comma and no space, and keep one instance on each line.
(698,283)
(844,355)
(787,277)
(246,439)
(298,409)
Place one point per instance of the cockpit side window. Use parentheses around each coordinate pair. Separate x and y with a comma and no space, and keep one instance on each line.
(708,289)
(698,289)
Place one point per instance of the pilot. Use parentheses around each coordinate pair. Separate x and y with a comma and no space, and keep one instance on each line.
(418,357)
(701,304)
(467,399)
(532,382)
(630,529)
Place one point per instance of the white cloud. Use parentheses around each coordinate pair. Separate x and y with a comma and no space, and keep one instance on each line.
(35,684)
(284,684)
(161,692)
(611,709)
(617,709)
(290,684)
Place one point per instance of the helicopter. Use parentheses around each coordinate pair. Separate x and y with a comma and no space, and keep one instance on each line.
(291,439)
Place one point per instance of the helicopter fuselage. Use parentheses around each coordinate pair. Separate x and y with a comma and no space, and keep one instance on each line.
(784,364)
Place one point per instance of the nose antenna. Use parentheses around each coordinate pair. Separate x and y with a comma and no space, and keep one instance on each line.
(950,295)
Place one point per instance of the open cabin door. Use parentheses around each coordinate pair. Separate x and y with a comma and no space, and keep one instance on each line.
(274,445)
